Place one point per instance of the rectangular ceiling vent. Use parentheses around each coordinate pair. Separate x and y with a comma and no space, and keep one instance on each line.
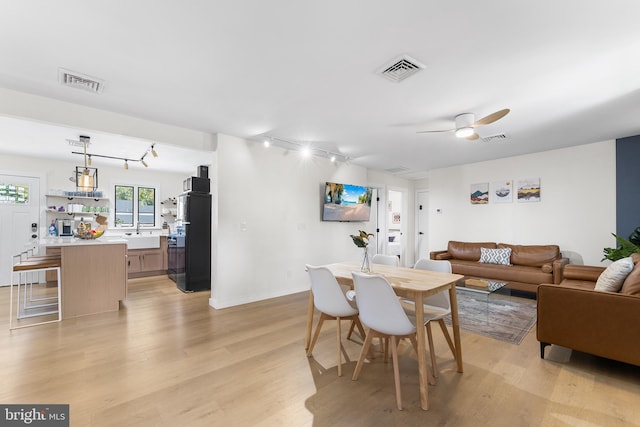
(400,68)
(80,143)
(397,170)
(495,138)
(80,81)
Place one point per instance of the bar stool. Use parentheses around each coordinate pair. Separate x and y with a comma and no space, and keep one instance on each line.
(25,266)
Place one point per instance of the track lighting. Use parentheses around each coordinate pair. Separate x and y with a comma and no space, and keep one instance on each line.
(305,148)
(88,157)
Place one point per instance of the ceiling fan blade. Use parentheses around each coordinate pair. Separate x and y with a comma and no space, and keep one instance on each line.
(473,136)
(435,131)
(491,118)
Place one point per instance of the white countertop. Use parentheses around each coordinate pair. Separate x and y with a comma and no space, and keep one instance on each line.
(72,241)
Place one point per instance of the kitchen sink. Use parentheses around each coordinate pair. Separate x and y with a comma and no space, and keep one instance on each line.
(142,241)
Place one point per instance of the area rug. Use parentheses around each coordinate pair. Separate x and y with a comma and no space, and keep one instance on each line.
(500,317)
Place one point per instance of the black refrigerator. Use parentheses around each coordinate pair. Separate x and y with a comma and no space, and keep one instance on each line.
(192,269)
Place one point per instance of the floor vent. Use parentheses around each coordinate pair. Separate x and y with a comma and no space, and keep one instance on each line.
(495,138)
(80,81)
(400,68)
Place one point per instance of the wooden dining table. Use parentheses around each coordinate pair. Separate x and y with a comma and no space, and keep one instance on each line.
(414,284)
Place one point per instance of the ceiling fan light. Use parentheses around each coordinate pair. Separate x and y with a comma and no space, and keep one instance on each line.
(464,132)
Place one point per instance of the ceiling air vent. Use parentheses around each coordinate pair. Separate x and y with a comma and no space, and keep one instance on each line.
(80,81)
(397,170)
(400,68)
(495,138)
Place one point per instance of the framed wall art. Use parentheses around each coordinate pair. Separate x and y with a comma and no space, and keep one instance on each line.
(528,190)
(502,191)
(479,194)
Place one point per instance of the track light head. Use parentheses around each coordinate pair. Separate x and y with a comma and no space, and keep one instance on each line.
(126,164)
(153,151)
(144,163)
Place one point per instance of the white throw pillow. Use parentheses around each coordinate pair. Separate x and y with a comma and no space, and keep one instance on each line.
(495,256)
(612,277)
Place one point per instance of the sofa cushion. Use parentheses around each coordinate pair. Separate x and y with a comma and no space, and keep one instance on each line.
(532,255)
(466,250)
(631,285)
(613,276)
(495,256)
(507,273)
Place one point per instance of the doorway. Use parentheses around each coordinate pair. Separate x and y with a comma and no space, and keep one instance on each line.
(19,218)
(422,224)
(395,220)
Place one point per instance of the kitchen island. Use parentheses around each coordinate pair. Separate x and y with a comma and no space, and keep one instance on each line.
(93,274)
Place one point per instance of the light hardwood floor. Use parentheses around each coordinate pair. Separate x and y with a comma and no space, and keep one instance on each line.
(167,359)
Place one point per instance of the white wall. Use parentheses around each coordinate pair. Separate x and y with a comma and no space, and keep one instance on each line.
(269,220)
(577,209)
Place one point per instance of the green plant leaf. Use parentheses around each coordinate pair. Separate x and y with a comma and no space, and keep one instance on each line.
(625,248)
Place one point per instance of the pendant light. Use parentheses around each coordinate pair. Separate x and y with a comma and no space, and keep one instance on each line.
(87,178)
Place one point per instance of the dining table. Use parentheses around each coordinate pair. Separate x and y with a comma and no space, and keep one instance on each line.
(409,283)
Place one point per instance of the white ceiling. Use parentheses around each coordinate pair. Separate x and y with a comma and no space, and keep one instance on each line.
(305,71)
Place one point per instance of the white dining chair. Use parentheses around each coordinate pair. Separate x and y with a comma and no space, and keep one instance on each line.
(436,308)
(381,312)
(331,302)
(351,295)
(386,260)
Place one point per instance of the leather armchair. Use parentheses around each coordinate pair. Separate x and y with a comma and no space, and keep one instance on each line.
(575,316)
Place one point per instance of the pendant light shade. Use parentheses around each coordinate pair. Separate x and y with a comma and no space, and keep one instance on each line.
(86,177)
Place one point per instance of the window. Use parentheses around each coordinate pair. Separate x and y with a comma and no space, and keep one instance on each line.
(135,206)
(14,194)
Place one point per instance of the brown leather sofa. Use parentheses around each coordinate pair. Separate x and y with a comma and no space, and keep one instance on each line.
(530,264)
(576,316)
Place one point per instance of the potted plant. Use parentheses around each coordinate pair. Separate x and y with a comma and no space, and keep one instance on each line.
(361,240)
(625,248)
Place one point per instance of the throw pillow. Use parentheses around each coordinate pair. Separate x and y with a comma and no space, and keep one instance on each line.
(631,285)
(495,256)
(612,277)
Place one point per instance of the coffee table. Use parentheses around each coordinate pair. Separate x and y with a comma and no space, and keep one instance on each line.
(483,290)
(483,286)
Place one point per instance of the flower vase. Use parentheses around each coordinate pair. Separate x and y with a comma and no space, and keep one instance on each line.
(366,266)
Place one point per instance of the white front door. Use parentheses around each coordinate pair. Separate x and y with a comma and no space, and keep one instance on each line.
(19,218)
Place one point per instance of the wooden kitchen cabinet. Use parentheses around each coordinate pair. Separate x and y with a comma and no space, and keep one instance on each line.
(148,262)
(133,262)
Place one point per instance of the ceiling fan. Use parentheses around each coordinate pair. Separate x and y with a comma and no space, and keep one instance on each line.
(466,123)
